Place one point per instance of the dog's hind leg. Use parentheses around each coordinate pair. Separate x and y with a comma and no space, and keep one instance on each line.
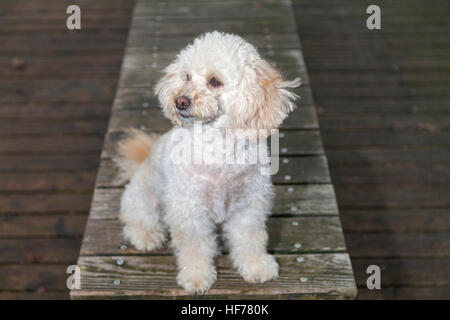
(141,211)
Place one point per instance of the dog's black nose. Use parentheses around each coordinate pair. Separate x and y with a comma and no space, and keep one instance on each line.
(182,103)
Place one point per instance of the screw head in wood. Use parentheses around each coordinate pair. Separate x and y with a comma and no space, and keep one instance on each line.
(282,134)
(287,177)
(145,105)
(297,245)
(303,279)
(290,189)
(123,247)
(294,223)
(299,259)
(293,209)
(285,160)
(284,150)
(116,282)
(119,262)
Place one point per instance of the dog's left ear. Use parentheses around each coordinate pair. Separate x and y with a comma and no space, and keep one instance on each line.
(263,100)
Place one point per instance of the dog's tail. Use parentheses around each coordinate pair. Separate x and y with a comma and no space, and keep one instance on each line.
(132,151)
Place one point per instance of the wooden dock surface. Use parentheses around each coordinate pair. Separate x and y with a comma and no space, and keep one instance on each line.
(382,108)
(304,230)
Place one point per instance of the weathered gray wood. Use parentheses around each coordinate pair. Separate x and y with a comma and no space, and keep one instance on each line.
(311,169)
(215,10)
(305,222)
(154,42)
(296,142)
(311,199)
(138,58)
(154,278)
(194,26)
(315,234)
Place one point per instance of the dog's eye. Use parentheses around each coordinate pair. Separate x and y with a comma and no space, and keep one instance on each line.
(215,83)
(188,77)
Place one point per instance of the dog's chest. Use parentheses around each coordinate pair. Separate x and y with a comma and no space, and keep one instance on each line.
(219,187)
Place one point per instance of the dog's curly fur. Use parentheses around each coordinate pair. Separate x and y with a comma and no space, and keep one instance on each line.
(189,200)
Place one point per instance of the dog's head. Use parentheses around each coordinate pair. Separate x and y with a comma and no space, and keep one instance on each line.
(223,76)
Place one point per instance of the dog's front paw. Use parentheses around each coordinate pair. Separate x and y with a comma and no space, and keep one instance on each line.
(258,269)
(197,280)
(143,239)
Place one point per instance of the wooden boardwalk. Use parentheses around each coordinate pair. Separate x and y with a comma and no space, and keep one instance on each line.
(304,230)
(396,144)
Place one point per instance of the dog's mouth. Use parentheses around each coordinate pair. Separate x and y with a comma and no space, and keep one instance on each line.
(185,115)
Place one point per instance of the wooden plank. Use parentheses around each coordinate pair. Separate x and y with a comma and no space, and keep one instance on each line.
(434,293)
(395,220)
(298,142)
(377,196)
(52,127)
(33,278)
(169,25)
(212,10)
(42,226)
(39,250)
(311,169)
(315,234)
(290,200)
(55,111)
(42,294)
(44,203)
(138,58)
(406,272)
(399,245)
(147,39)
(13,163)
(50,144)
(154,278)
(46,181)
(305,217)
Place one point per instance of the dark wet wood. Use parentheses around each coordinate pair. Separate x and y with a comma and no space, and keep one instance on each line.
(382,98)
(54,112)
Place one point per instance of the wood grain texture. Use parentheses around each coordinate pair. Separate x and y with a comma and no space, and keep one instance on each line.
(384,121)
(54,112)
(154,278)
(314,234)
(305,218)
(310,199)
(308,169)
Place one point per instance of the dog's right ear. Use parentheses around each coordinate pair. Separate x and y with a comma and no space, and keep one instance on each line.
(163,87)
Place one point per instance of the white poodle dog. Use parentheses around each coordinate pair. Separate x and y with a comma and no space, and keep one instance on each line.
(221,82)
